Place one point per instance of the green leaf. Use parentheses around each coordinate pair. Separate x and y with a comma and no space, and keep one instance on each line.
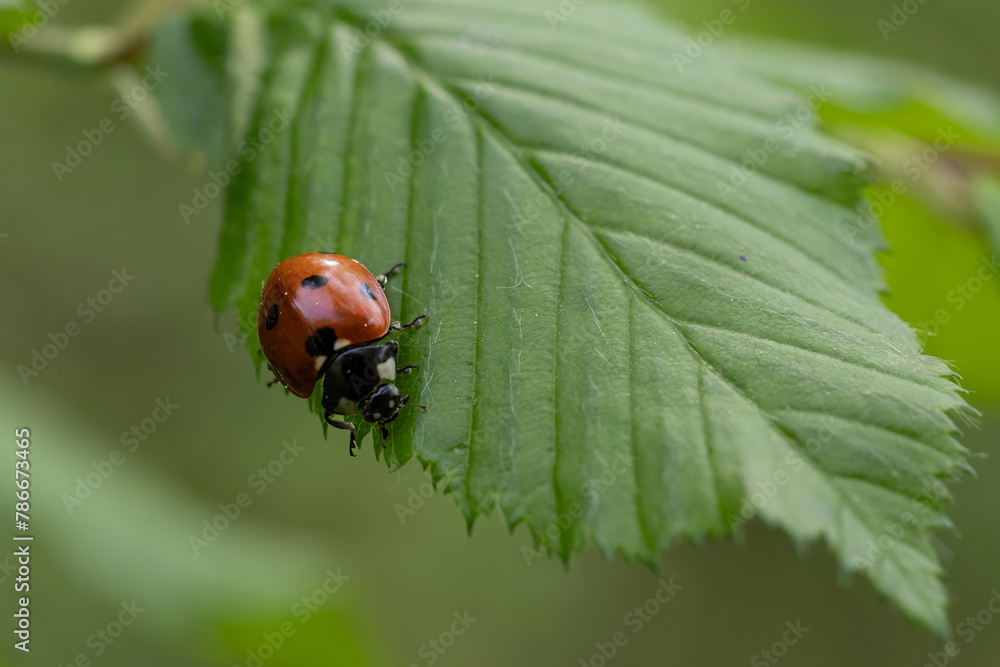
(878,92)
(195,49)
(937,145)
(630,339)
(106,537)
(326,638)
(987,195)
(218,67)
(944,282)
(14,15)
(931,134)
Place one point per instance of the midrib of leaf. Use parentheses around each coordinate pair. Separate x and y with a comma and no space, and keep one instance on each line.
(705,429)
(414,125)
(470,500)
(565,537)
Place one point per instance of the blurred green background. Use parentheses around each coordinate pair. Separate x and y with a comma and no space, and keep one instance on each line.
(334,522)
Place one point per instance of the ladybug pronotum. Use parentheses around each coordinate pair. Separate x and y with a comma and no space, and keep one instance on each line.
(321,316)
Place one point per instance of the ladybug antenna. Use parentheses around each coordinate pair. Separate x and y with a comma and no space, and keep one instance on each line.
(403,403)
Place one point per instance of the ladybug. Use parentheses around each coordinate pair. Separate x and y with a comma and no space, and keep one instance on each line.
(322,315)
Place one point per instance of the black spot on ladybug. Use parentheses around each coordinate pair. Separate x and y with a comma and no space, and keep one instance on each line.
(271,320)
(321,342)
(368,292)
(315,282)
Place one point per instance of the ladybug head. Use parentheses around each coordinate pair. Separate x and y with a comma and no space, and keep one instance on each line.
(382,405)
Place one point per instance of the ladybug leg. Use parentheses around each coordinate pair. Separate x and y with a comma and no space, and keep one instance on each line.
(336,423)
(384,278)
(275,381)
(406,369)
(396,326)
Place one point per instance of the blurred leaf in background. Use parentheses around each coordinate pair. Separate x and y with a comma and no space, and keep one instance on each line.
(987,194)
(14,16)
(937,148)
(203,580)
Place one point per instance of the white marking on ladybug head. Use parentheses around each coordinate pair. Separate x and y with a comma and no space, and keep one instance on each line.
(346,407)
(392,404)
(320,360)
(387,369)
(377,415)
(341,344)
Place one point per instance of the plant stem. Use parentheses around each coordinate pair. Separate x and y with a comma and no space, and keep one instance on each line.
(96,47)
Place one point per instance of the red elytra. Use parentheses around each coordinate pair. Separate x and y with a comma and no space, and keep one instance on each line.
(315,304)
